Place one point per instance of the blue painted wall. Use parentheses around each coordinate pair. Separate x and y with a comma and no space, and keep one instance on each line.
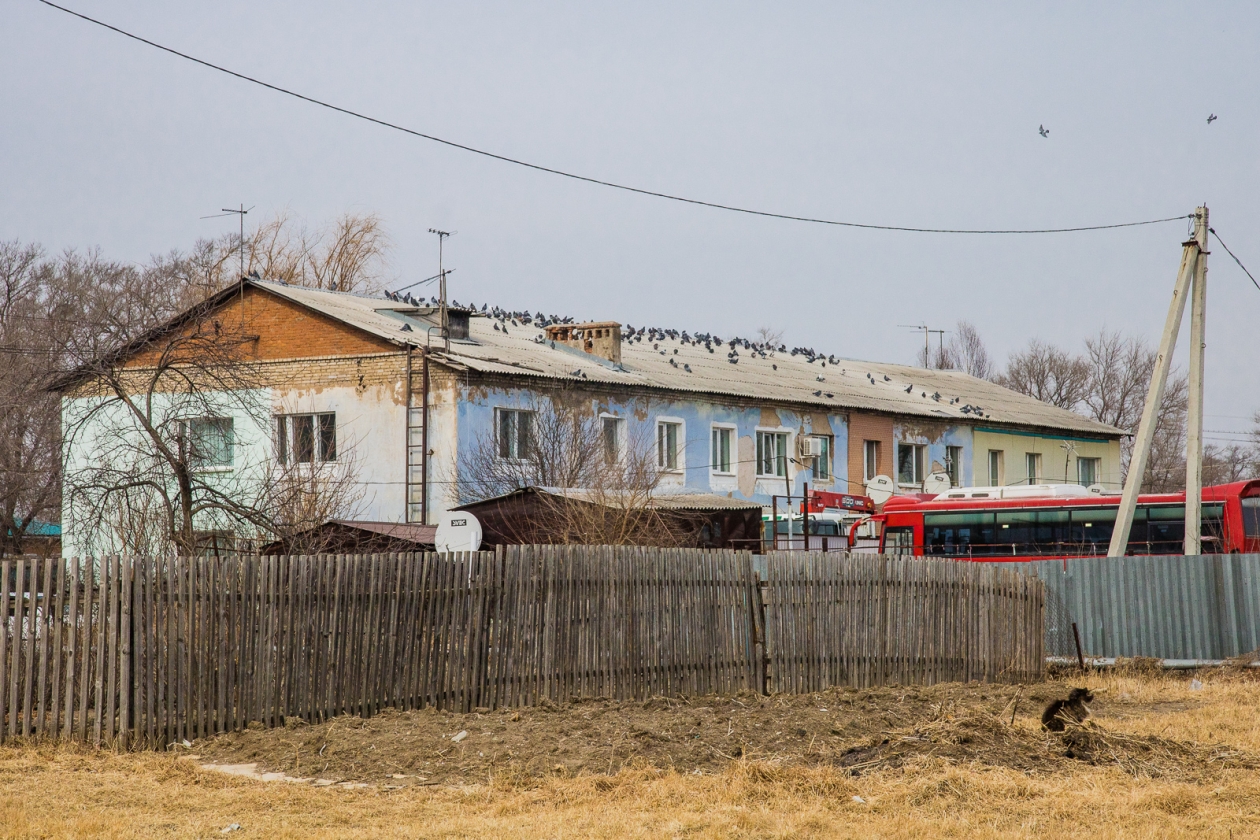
(475,420)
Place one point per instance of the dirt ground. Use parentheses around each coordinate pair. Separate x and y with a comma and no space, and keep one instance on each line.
(1164,755)
(853,730)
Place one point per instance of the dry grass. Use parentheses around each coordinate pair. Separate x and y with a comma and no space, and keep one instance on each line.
(51,792)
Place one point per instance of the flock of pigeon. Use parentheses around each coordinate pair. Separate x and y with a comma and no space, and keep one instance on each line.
(658,337)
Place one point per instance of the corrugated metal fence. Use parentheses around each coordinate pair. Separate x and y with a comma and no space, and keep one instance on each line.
(1169,607)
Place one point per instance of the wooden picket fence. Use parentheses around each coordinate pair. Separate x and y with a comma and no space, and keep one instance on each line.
(145,653)
(874,620)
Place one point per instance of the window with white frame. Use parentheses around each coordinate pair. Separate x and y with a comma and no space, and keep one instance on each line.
(870,459)
(720,449)
(910,458)
(612,434)
(821,463)
(772,449)
(953,465)
(513,429)
(1032,461)
(996,479)
(207,442)
(668,438)
(306,438)
(1088,470)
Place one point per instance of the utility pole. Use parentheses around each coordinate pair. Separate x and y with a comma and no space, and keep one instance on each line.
(446,333)
(1194,411)
(1193,268)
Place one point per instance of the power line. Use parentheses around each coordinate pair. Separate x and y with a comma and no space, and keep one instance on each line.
(585,178)
(1231,253)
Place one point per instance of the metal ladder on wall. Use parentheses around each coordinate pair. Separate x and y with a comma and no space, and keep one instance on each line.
(415,461)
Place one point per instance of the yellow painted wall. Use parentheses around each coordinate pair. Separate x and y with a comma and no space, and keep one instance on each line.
(1016,446)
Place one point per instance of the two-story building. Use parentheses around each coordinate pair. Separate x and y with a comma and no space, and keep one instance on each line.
(374,376)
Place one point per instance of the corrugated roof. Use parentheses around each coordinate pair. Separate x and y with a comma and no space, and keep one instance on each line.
(682,501)
(942,395)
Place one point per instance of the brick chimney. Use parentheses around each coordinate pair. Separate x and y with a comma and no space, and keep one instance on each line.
(602,338)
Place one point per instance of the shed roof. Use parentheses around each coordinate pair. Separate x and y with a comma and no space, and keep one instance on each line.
(939,395)
(681,501)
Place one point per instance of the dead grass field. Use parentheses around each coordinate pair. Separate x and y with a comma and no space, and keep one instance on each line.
(1162,760)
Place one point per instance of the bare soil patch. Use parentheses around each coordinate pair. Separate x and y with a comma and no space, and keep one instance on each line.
(855,731)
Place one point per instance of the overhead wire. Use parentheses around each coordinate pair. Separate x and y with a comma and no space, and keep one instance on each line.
(586,178)
(1231,253)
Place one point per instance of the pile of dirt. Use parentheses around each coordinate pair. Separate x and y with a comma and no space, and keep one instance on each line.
(857,730)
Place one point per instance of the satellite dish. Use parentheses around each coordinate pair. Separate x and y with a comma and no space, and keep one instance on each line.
(936,484)
(458,531)
(880,489)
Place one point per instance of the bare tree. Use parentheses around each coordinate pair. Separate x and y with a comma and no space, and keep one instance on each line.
(964,351)
(967,352)
(769,336)
(1049,374)
(1120,375)
(30,422)
(603,486)
(303,496)
(349,255)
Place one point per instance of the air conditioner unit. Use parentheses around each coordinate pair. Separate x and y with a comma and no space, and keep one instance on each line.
(809,447)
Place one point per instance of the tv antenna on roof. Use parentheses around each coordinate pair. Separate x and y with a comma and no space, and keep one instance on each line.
(927,337)
(241,244)
(441,235)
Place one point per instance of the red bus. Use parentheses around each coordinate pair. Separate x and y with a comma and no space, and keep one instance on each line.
(984,523)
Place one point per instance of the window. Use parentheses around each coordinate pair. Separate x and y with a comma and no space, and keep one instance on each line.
(821,463)
(667,445)
(910,463)
(611,428)
(514,431)
(208,441)
(1251,516)
(1033,461)
(772,454)
(953,465)
(899,541)
(306,438)
(720,455)
(996,479)
(1088,470)
(870,459)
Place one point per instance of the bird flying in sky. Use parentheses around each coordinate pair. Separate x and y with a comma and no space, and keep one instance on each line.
(1211,117)
(1043,131)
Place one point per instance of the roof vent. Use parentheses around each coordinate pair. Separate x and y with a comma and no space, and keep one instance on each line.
(602,338)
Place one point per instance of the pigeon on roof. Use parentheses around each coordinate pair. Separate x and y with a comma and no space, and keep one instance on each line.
(909,389)
(818,393)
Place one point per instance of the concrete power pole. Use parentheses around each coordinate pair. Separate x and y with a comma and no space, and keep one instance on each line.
(1194,411)
(1193,273)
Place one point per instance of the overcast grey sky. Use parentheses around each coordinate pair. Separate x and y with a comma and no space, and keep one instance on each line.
(903,114)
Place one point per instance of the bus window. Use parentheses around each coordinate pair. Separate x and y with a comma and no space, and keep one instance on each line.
(1015,528)
(1091,529)
(899,541)
(1251,516)
(958,534)
(1053,532)
(1166,529)
(1212,529)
